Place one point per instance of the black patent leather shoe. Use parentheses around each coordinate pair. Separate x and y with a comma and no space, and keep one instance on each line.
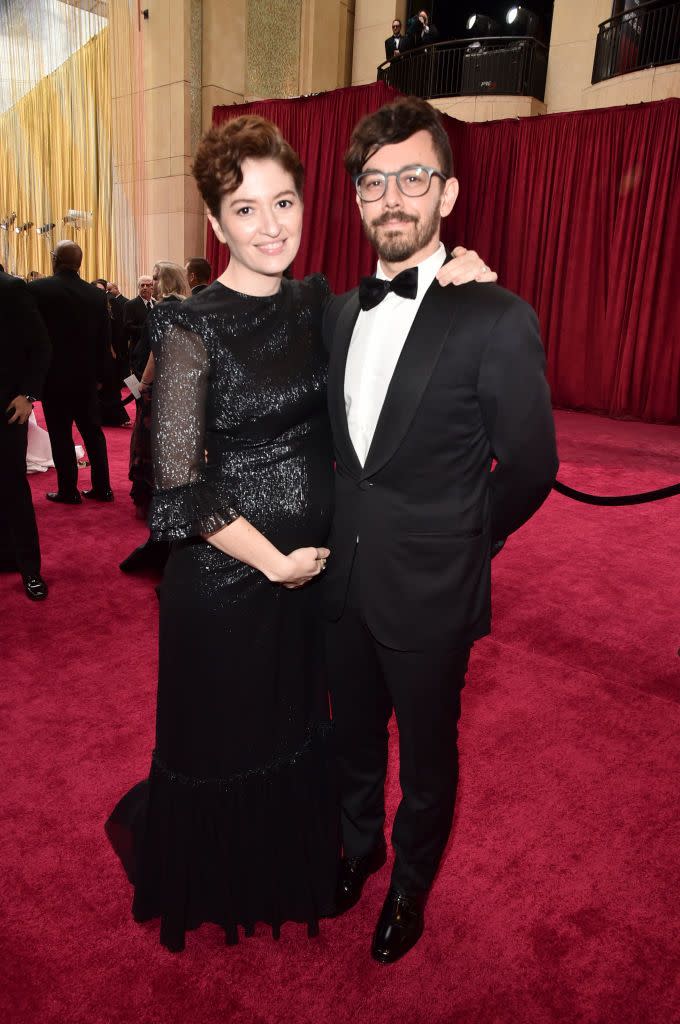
(399,927)
(97,495)
(35,587)
(64,499)
(352,877)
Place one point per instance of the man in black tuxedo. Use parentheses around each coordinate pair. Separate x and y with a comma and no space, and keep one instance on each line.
(427,386)
(24,358)
(396,43)
(78,323)
(198,272)
(136,312)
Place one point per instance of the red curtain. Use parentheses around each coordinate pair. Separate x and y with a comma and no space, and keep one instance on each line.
(578,212)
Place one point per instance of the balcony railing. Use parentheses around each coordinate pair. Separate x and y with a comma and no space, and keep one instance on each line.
(643,38)
(502,65)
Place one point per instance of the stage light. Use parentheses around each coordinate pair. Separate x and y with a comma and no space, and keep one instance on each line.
(524,20)
(45,229)
(482,25)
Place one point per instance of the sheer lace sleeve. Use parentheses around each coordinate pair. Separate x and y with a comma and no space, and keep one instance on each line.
(190,497)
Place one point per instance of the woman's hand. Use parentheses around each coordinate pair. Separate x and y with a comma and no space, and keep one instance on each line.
(467,266)
(302,565)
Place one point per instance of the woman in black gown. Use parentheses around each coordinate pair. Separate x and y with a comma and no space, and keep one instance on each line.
(238,822)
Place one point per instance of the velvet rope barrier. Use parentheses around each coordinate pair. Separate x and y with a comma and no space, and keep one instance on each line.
(624,499)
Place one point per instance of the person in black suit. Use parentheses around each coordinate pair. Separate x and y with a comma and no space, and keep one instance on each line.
(396,43)
(24,359)
(79,327)
(199,273)
(134,318)
(421,30)
(427,386)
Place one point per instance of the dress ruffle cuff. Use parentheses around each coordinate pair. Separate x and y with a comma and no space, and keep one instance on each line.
(190,510)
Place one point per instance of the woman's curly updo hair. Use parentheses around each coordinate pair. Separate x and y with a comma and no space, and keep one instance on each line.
(217,166)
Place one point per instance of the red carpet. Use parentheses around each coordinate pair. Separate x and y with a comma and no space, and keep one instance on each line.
(558,899)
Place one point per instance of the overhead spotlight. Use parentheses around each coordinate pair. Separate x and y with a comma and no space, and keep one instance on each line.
(524,20)
(45,229)
(482,25)
(6,224)
(20,228)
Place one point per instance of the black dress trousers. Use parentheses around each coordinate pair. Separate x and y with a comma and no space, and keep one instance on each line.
(19,544)
(367,682)
(61,411)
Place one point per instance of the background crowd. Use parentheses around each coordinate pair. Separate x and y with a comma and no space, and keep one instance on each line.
(83,350)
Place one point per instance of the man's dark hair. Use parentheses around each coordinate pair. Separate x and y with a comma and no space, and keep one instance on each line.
(396,122)
(200,268)
(100,280)
(2,269)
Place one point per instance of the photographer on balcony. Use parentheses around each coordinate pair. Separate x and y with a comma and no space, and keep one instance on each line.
(421,30)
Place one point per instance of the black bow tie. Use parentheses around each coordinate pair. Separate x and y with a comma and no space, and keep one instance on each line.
(373,290)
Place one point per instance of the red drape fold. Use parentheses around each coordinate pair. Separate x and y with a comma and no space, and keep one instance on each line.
(578,212)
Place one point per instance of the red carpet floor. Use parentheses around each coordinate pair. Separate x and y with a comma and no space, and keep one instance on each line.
(558,898)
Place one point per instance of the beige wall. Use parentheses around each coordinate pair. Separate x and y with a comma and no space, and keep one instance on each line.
(372,26)
(570,66)
(326,45)
(224,55)
(489,108)
(171,75)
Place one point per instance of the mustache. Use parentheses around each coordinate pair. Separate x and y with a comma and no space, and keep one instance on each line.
(384,218)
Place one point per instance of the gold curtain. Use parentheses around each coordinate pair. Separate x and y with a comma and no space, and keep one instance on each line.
(72,134)
(55,156)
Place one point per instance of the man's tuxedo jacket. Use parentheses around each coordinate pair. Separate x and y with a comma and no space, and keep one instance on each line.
(469,387)
(77,318)
(136,312)
(24,344)
(390,46)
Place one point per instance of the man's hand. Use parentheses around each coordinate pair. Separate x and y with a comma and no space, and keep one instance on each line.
(22,409)
(467,266)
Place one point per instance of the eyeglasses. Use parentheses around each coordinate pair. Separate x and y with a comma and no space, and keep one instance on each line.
(412,181)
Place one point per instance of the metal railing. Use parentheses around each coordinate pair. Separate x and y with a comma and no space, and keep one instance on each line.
(643,38)
(502,65)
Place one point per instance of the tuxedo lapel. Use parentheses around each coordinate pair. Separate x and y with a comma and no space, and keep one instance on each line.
(336,381)
(412,373)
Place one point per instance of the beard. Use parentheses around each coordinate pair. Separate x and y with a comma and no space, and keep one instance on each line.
(399,246)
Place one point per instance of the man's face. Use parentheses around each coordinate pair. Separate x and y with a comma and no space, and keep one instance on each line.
(396,28)
(401,227)
(422,17)
(113,290)
(191,277)
(145,286)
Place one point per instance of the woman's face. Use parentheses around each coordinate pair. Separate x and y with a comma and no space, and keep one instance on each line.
(261,221)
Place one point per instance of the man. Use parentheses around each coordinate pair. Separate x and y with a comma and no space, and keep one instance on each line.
(427,385)
(136,312)
(199,273)
(421,30)
(79,328)
(396,43)
(24,358)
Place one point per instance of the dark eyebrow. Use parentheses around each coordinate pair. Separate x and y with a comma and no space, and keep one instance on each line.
(245,202)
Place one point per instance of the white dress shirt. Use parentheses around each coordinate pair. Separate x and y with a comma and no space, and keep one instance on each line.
(377,340)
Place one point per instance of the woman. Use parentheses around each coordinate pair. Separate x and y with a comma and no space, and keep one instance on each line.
(170,285)
(241,823)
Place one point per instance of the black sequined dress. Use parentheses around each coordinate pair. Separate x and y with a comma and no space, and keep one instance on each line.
(238,821)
